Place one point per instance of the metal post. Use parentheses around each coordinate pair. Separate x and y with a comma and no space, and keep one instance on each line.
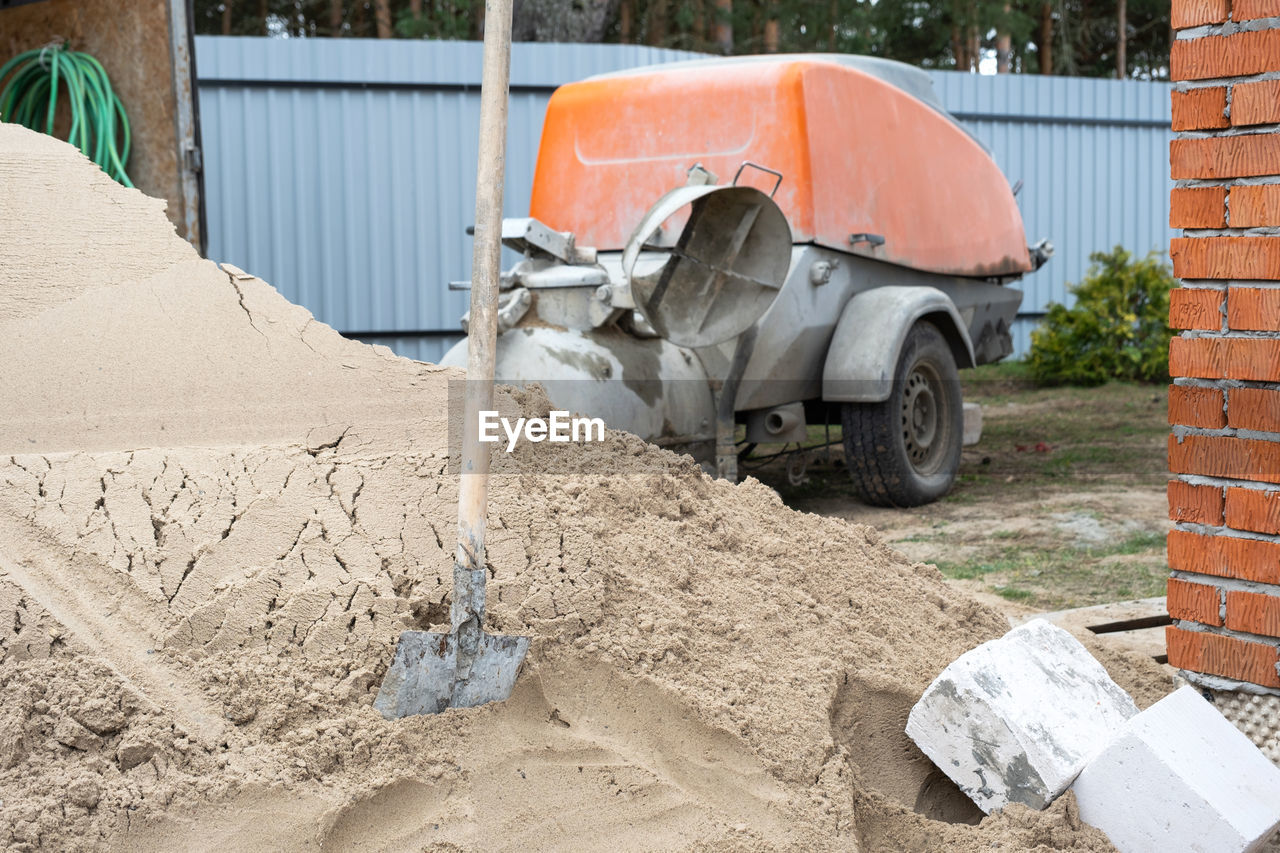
(726,397)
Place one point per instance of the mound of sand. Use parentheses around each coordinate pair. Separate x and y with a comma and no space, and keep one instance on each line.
(216,515)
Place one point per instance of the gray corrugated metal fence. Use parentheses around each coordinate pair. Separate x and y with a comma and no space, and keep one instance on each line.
(342,170)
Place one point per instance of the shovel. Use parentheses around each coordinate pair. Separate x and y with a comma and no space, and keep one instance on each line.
(468,667)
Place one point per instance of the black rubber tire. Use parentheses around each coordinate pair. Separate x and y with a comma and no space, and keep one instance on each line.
(899,462)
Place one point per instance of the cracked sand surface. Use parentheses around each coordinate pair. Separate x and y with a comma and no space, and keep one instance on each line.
(216,515)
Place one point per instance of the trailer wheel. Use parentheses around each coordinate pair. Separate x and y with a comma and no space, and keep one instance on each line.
(905,451)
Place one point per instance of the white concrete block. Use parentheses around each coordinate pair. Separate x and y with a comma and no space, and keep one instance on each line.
(972,432)
(1014,720)
(1181,777)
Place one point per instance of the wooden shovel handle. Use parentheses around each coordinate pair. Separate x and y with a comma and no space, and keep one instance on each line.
(469,570)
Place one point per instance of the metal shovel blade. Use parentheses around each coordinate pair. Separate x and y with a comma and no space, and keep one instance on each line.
(425,676)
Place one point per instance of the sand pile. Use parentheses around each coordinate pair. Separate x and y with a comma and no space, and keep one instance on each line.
(216,515)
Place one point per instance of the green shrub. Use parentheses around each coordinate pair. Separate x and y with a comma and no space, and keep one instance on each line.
(1118,328)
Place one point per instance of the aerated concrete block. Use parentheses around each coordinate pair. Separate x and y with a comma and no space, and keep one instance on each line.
(1014,720)
(1179,776)
(972,432)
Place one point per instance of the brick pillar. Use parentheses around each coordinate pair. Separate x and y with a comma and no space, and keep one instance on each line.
(1224,405)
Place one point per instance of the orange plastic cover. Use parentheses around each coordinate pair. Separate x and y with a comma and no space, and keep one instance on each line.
(858,155)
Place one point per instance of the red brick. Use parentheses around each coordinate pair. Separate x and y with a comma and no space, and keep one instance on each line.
(1248,10)
(1235,55)
(1195,308)
(1244,156)
(1225,456)
(1254,103)
(1194,13)
(1200,109)
(1201,651)
(1257,359)
(1255,309)
(1196,602)
(1197,407)
(1255,206)
(1225,556)
(1253,509)
(1201,358)
(1254,408)
(1195,504)
(1253,612)
(1226,257)
(1198,207)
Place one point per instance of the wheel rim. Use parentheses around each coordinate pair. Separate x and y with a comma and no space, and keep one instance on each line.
(924,424)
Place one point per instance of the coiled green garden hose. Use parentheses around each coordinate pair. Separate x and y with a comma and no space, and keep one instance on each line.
(98,120)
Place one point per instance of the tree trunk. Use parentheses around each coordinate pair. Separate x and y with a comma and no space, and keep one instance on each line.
(1122,40)
(958,50)
(1044,47)
(382,17)
(262,16)
(624,21)
(226,17)
(771,35)
(335,18)
(834,34)
(1004,47)
(724,26)
(656,34)
(975,48)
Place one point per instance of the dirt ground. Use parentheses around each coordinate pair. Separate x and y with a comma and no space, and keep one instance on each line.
(1060,505)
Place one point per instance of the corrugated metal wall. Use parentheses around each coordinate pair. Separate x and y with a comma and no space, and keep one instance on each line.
(342,171)
(1093,159)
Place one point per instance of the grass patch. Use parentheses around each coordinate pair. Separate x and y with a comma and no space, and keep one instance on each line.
(1139,542)
(1056,578)
(1014,594)
(971,569)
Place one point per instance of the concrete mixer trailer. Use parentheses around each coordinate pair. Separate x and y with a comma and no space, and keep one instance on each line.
(724,251)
